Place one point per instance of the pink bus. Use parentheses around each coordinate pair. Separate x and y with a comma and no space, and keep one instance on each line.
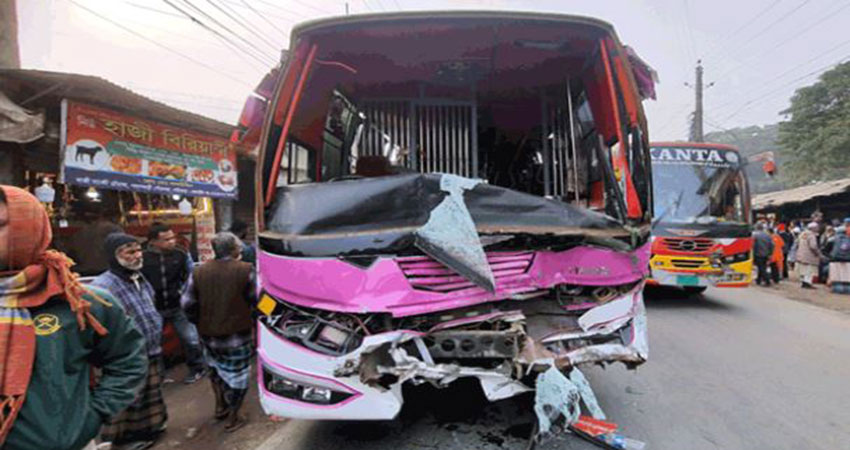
(445,195)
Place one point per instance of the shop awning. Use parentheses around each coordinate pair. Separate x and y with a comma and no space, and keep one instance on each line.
(801,194)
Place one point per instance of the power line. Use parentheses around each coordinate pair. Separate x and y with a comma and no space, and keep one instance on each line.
(768,94)
(299,14)
(793,36)
(224,38)
(792,69)
(380,5)
(321,10)
(689,29)
(254,10)
(165,47)
(265,13)
(227,29)
(397,5)
(236,17)
(744,25)
(367,6)
(777,21)
(200,38)
(148,8)
(670,123)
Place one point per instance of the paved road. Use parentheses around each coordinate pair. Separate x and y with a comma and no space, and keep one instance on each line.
(735,369)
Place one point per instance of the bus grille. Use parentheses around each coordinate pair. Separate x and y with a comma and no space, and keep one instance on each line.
(688,245)
(688,263)
(426,273)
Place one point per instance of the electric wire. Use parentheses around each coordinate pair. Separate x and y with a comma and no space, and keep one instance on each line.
(791,37)
(775,22)
(276,14)
(148,8)
(158,44)
(218,34)
(236,17)
(792,69)
(308,5)
(671,123)
(299,14)
(761,98)
(266,19)
(743,26)
(689,29)
(227,29)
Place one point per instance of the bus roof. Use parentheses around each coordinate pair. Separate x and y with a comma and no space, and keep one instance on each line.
(327,24)
(685,144)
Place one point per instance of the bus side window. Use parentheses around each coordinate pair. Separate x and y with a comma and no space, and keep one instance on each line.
(295,164)
(591,186)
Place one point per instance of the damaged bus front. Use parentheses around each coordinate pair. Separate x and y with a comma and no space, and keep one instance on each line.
(449,195)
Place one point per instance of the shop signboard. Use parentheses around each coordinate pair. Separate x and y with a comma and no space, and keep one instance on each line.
(106,149)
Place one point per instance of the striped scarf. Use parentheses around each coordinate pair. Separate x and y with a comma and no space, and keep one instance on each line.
(36,275)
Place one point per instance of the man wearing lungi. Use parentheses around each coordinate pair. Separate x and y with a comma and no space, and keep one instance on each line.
(141,423)
(219,300)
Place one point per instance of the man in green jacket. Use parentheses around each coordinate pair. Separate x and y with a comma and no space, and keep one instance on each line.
(52,332)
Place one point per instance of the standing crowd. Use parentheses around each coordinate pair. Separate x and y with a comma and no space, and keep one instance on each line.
(819,252)
(81,366)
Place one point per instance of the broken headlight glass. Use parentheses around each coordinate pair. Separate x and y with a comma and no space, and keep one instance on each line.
(296,390)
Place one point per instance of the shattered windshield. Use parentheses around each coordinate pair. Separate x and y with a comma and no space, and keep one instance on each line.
(697,191)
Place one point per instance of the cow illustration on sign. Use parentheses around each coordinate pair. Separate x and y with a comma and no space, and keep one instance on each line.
(90,151)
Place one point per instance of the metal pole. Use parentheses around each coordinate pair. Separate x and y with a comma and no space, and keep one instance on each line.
(573,139)
(698,113)
(547,148)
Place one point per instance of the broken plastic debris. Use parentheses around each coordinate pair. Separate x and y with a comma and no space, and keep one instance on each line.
(594,427)
(450,235)
(614,440)
(587,395)
(556,396)
(605,434)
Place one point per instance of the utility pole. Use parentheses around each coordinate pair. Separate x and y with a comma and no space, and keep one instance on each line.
(10,57)
(346,8)
(696,129)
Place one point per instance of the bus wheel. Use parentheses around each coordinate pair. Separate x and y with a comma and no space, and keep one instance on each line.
(695,290)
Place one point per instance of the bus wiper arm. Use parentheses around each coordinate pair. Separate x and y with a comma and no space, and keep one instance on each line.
(670,210)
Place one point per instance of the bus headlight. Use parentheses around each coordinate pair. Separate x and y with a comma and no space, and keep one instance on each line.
(304,392)
(736,258)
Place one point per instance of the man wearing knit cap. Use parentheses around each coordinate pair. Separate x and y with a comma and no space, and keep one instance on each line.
(141,423)
(52,332)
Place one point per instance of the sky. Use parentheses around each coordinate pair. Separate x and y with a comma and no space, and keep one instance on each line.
(755,53)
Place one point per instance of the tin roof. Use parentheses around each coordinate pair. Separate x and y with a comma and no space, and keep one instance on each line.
(800,194)
(34,86)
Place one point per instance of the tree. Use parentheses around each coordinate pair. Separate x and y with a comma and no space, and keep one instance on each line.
(815,140)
